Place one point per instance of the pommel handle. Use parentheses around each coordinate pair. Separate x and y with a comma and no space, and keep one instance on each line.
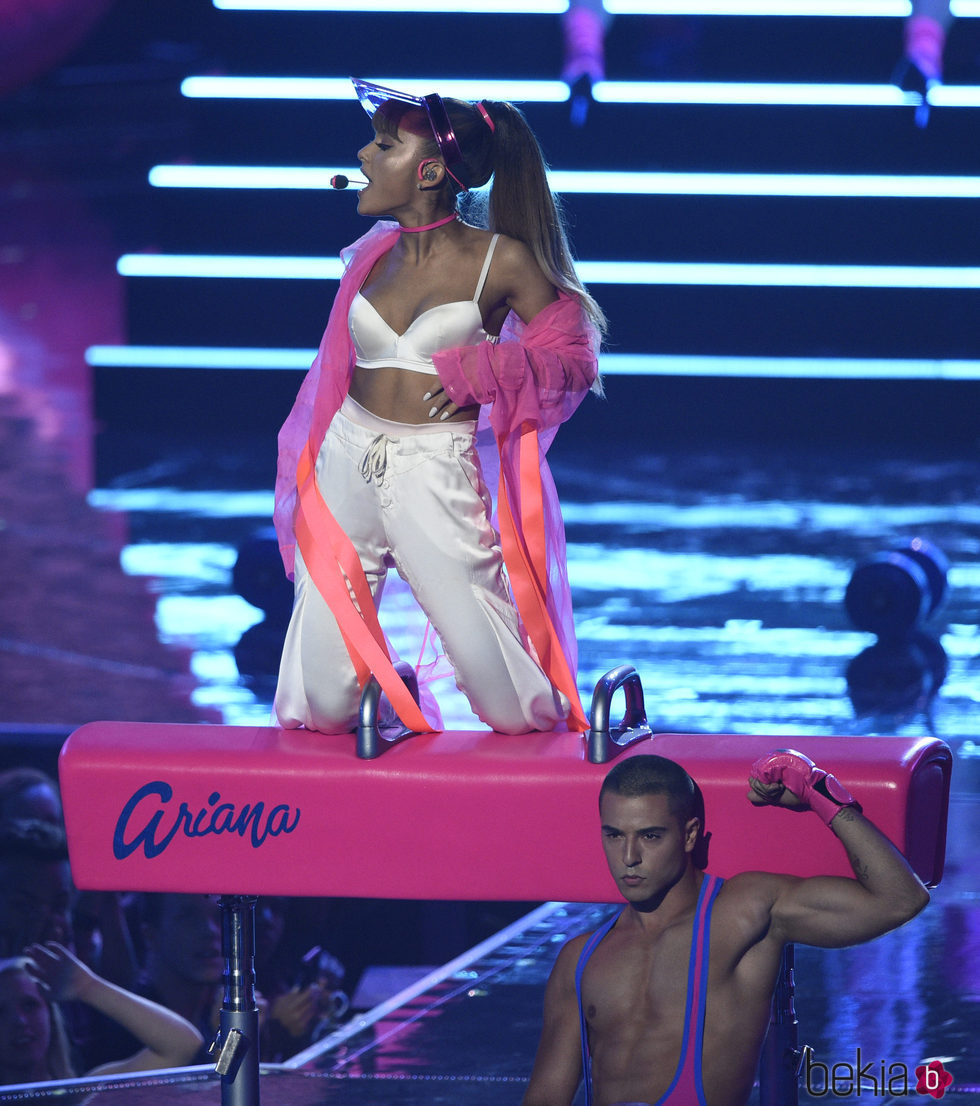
(605,741)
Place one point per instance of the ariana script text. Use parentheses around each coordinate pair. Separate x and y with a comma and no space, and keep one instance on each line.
(149,820)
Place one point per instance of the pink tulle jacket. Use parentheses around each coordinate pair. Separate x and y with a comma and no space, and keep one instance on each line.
(527,384)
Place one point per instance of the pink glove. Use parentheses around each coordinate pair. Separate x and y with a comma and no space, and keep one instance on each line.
(818,790)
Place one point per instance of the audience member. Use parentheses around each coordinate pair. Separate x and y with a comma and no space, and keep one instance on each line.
(302,993)
(29,793)
(184,965)
(35,886)
(34,1046)
(179,938)
(101,937)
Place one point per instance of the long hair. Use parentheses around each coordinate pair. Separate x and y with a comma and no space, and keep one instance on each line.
(521,203)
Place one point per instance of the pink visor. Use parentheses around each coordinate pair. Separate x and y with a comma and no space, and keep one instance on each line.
(372,96)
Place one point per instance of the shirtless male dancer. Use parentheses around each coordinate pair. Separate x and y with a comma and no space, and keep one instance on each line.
(617,1006)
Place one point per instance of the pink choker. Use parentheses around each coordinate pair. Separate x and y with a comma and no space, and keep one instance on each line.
(430,226)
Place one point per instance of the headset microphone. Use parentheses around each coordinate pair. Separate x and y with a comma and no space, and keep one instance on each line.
(340,181)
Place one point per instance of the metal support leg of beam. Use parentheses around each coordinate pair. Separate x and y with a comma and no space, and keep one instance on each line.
(236,1048)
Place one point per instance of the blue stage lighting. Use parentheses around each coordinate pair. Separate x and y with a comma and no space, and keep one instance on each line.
(569,181)
(611,364)
(738,274)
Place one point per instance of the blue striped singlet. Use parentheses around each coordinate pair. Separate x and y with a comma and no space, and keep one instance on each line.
(685,1088)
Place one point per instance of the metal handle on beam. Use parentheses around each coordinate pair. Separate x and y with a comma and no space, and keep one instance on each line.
(606,741)
(376,733)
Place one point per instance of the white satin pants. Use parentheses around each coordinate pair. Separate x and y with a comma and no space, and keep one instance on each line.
(413,498)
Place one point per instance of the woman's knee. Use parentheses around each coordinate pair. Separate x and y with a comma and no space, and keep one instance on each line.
(513,708)
(329,709)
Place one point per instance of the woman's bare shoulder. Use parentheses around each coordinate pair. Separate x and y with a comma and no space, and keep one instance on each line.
(512,253)
(517,278)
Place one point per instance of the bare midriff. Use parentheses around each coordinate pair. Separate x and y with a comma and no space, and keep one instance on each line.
(396,395)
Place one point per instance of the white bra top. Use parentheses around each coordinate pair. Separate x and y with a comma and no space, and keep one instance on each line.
(445,326)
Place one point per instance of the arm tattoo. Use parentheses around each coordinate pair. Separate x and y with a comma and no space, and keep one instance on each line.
(861,870)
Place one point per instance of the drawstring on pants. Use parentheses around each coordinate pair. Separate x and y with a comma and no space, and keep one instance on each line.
(375,461)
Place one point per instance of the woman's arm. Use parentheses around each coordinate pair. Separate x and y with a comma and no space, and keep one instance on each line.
(516,284)
(169,1040)
(102,912)
(519,282)
(541,368)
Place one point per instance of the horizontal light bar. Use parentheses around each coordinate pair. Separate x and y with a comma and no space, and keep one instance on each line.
(788,368)
(340,88)
(611,364)
(772,93)
(954,96)
(897,9)
(476,7)
(779,275)
(197,357)
(244,176)
(841,9)
(753,92)
(780,94)
(878,8)
(611,182)
(592,272)
(227,267)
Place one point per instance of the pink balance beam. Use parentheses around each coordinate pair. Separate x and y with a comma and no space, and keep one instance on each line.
(454,815)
